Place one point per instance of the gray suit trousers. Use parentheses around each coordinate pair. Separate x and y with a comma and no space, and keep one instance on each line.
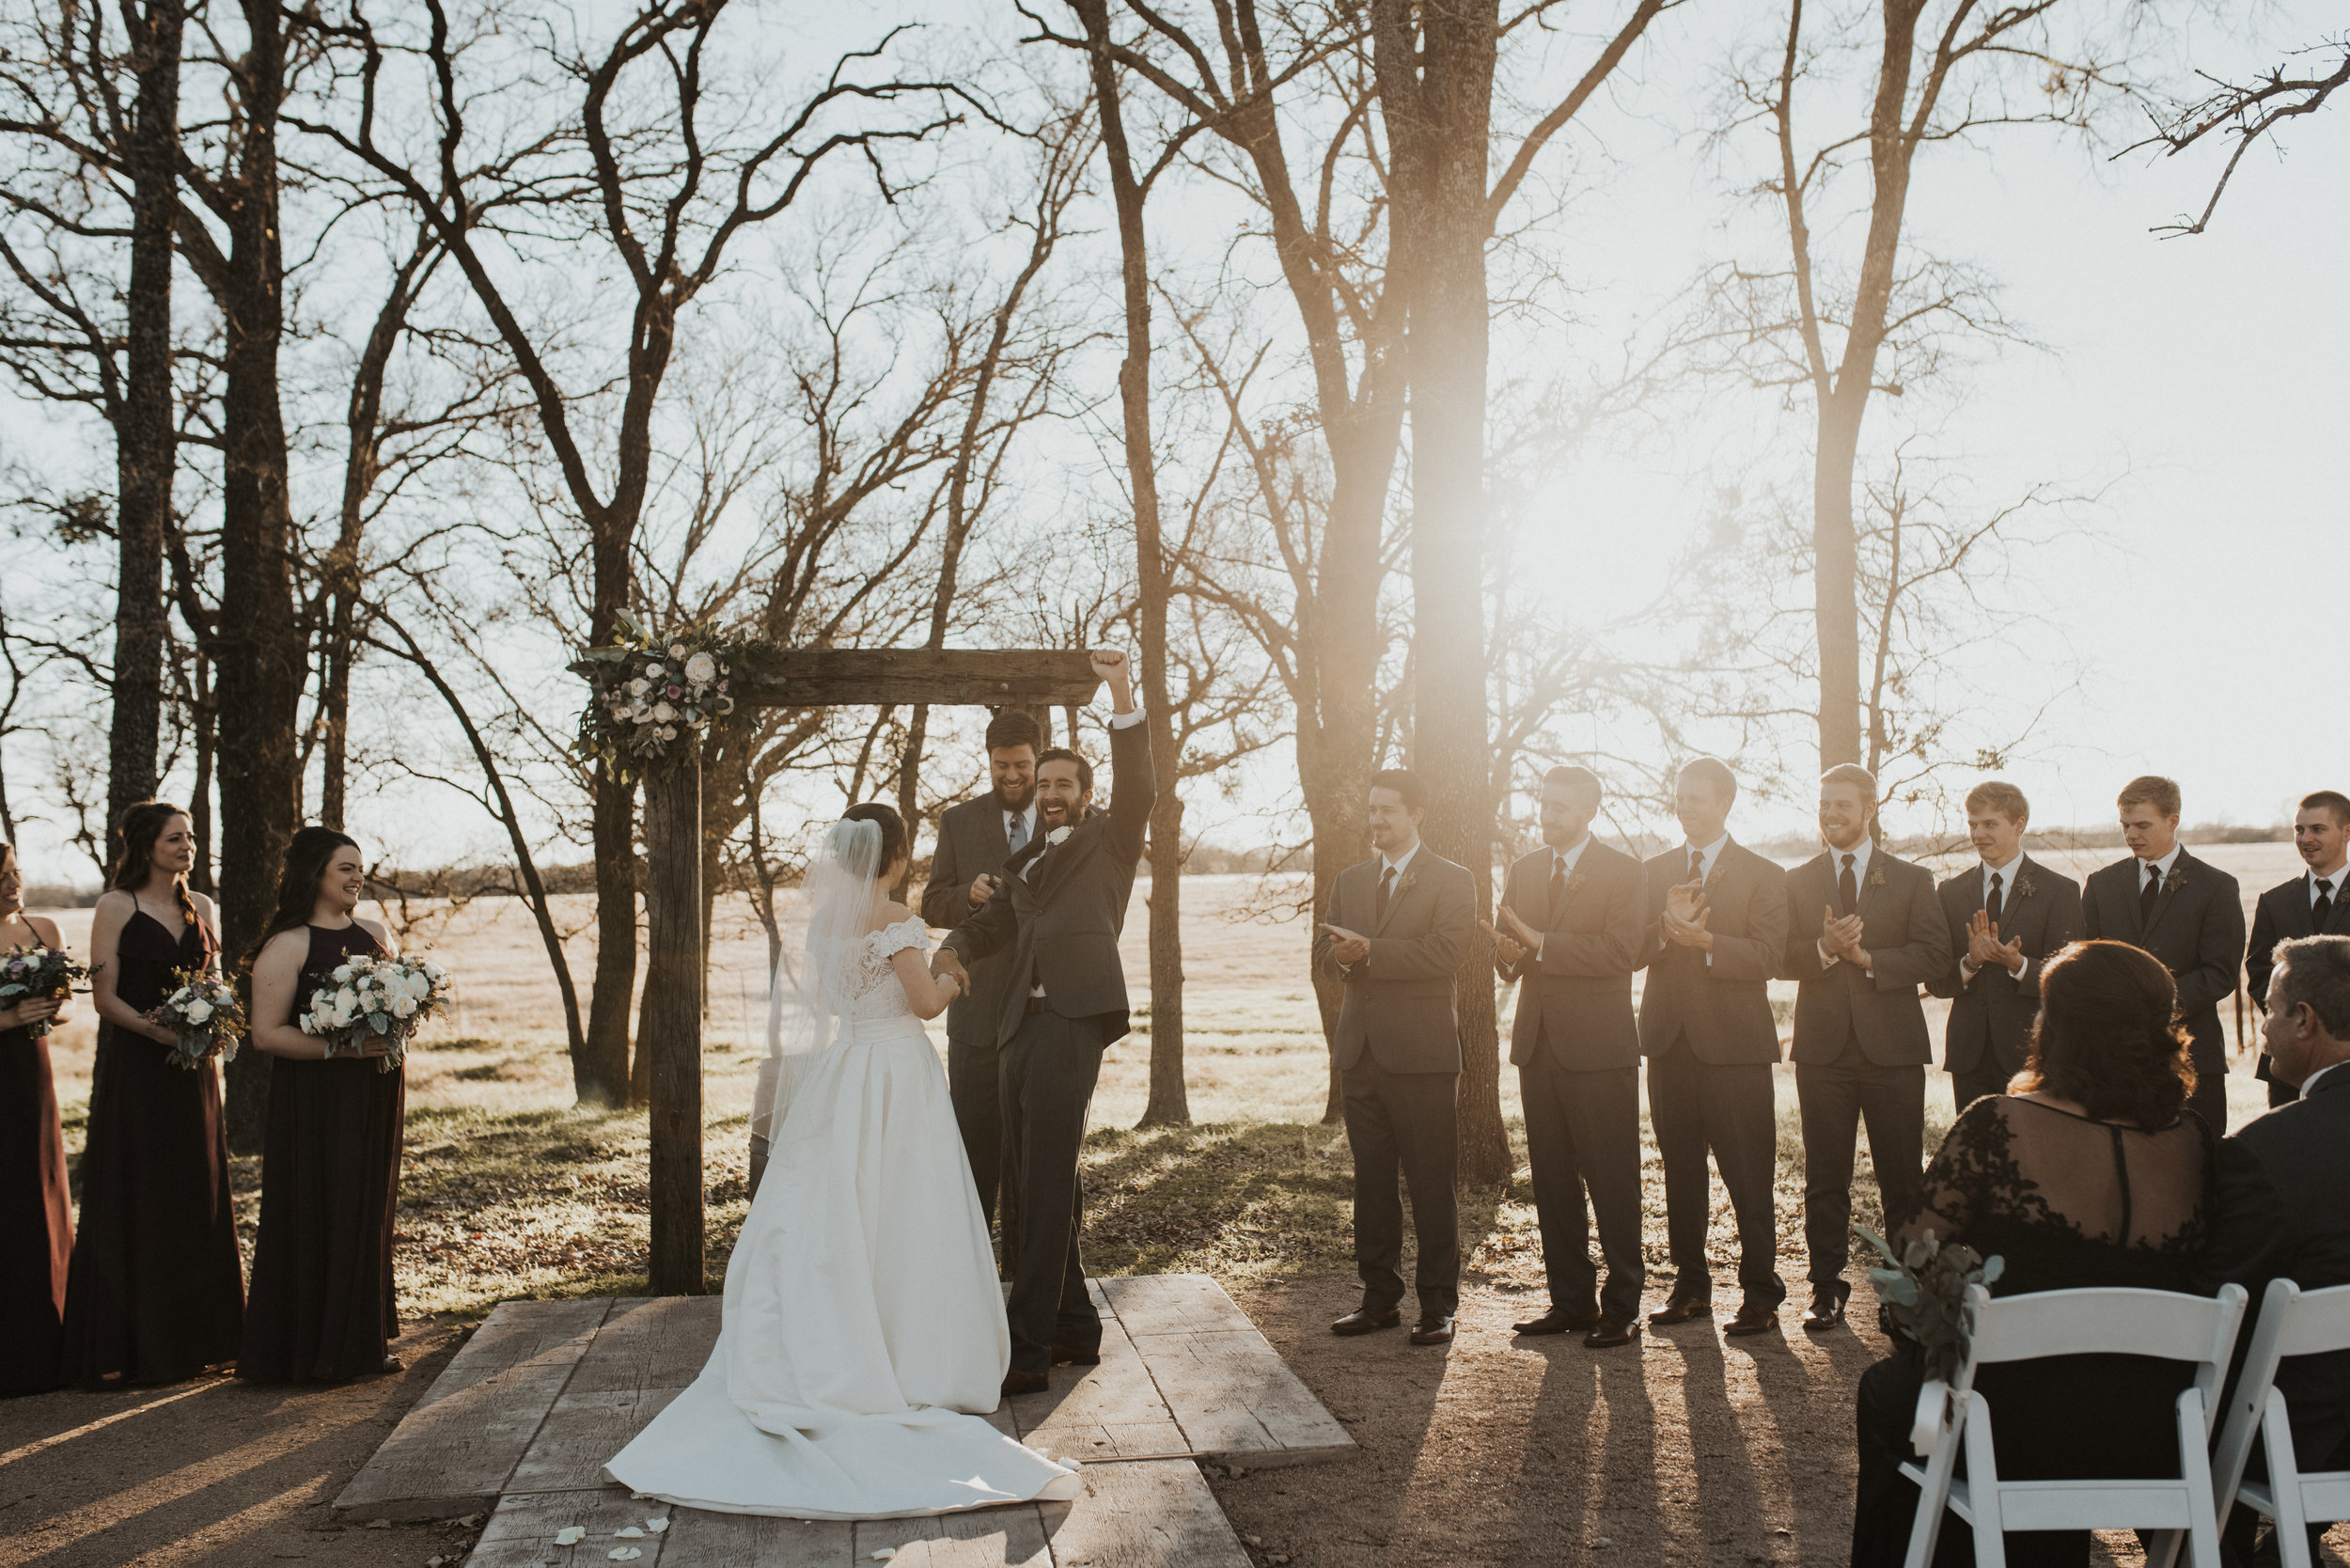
(1049,1069)
(1402,1128)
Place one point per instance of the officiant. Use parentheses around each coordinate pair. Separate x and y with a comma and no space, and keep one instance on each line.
(974,838)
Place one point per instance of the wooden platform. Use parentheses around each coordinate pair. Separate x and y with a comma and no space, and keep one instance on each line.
(521,1420)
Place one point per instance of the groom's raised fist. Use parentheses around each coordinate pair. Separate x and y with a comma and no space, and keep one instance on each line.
(1113,666)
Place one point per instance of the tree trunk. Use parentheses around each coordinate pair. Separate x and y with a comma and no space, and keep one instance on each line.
(669,1034)
(260,643)
(335,708)
(145,444)
(1835,577)
(1440,144)
(201,803)
(603,1078)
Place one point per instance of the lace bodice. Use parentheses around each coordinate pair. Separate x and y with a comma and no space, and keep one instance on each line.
(860,977)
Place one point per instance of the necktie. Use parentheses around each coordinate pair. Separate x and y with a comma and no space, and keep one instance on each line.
(1386,888)
(2323,906)
(2146,894)
(1696,864)
(1845,891)
(1018,832)
(1993,906)
(1557,881)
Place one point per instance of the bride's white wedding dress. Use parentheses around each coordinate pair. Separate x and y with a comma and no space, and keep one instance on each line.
(864,1328)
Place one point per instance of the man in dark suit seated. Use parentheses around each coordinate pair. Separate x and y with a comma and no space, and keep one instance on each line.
(974,838)
(1864,933)
(2282,1211)
(2186,913)
(1399,925)
(1715,933)
(2008,916)
(2311,904)
(1571,917)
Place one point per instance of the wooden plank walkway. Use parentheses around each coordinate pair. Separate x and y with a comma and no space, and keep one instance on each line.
(523,1417)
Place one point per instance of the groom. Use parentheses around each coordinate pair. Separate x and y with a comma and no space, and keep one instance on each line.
(1058,911)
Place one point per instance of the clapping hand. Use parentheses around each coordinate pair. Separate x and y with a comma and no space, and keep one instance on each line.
(1840,937)
(1685,914)
(1512,947)
(1984,948)
(1347,946)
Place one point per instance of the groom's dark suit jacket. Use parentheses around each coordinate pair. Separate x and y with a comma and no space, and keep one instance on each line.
(1061,920)
(971,844)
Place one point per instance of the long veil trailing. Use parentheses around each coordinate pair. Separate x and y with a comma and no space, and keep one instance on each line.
(814,986)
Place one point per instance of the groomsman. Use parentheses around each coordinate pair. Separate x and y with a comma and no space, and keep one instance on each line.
(2008,916)
(974,838)
(2312,904)
(1715,932)
(1399,924)
(1865,932)
(1571,916)
(2186,913)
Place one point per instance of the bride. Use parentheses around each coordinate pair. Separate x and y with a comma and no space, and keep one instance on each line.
(864,1335)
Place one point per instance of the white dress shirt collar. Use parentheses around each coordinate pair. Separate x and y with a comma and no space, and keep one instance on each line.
(1712,853)
(1399,866)
(1563,860)
(2007,875)
(1859,853)
(2163,865)
(2333,890)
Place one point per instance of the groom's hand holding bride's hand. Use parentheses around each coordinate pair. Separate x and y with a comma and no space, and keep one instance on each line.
(947,964)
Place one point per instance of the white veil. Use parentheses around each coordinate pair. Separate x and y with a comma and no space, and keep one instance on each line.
(814,986)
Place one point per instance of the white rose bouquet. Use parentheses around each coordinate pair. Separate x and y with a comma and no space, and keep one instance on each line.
(370,1002)
(207,1016)
(27,973)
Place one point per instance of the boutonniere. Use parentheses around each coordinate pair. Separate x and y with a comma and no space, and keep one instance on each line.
(2176,880)
(1876,875)
(1574,882)
(2023,887)
(1057,836)
(1405,886)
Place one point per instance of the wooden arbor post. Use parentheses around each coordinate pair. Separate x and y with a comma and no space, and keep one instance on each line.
(670,1022)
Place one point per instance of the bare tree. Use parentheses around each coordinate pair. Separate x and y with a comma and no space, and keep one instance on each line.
(2245,113)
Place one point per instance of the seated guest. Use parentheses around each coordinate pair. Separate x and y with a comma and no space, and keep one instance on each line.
(2281,1181)
(2089,1173)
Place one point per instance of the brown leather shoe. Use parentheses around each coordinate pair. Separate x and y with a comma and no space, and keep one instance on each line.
(1681,1308)
(1018,1382)
(1065,1357)
(1366,1320)
(1556,1322)
(1826,1311)
(1434,1328)
(1607,1331)
(1753,1318)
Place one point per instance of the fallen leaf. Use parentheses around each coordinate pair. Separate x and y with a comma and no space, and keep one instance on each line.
(1254,1540)
(570,1535)
(627,1532)
(625,1554)
(656,1526)
(884,1554)
(469,1521)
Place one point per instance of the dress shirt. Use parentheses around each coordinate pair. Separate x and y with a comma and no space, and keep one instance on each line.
(2006,874)
(1563,865)
(1398,866)
(1859,853)
(2333,879)
(1027,818)
(2163,865)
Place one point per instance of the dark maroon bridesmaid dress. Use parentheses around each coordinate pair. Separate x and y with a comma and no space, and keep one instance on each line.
(155,1294)
(321,1307)
(36,1218)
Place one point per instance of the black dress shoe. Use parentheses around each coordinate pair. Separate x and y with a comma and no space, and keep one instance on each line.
(1753,1318)
(1608,1331)
(1826,1311)
(1365,1320)
(1065,1357)
(1018,1382)
(1434,1328)
(1556,1322)
(1681,1308)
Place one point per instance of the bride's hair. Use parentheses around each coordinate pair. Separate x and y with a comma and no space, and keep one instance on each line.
(893,829)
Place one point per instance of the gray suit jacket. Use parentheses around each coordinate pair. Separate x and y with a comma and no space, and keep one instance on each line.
(1991,1015)
(1908,939)
(971,844)
(1575,1000)
(1397,1006)
(1724,1006)
(1060,921)
(2196,930)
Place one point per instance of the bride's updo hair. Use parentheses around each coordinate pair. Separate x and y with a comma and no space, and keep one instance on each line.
(2106,1037)
(893,829)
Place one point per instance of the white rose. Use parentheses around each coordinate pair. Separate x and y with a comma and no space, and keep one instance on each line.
(402,1006)
(701,668)
(198,1010)
(343,1015)
(663,714)
(639,686)
(668,731)
(345,999)
(677,650)
(342,972)
(1057,836)
(654,670)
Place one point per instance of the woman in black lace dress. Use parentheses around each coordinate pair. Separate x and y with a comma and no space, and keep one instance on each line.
(2091,1173)
(36,1213)
(321,1307)
(155,1294)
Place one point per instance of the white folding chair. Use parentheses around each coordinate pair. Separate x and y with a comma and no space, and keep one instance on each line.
(2292,1322)
(2160,1323)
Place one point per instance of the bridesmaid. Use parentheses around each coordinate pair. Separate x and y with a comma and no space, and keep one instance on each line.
(321,1307)
(154,1294)
(36,1220)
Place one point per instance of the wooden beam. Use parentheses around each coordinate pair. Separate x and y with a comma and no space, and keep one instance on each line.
(670,1024)
(859,677)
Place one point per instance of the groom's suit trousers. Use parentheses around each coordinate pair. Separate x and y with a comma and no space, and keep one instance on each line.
(1049,1069)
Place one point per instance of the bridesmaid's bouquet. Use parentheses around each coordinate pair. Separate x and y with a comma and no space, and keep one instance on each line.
(207,1016)
(370,1000)
(27,973)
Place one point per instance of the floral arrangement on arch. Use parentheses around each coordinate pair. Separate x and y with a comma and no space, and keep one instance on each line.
(649,692)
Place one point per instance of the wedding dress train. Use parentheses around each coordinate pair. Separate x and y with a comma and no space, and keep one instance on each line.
(864,1333)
